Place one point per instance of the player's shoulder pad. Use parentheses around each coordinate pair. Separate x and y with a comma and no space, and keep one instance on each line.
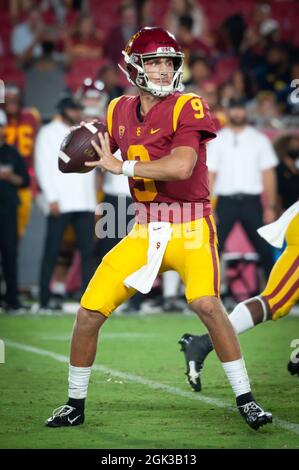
(179,105)
(110,111)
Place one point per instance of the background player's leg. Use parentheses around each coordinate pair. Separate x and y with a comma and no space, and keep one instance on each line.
(247,314)
(211,312)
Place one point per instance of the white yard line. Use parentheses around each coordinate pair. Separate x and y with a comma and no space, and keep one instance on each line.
(281,423)
(108,336)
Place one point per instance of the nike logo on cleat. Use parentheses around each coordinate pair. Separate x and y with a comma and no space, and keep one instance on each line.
(71,421)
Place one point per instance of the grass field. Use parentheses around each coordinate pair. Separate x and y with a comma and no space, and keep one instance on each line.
(138,397)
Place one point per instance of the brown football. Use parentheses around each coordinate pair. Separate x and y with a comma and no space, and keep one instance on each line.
(76,148)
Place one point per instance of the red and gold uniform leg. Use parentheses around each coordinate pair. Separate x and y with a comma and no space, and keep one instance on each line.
(282,289)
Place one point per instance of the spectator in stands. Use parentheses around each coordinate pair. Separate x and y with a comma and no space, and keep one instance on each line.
(62,7)
(13,175)
(231,33)
(119,36)
(241,164)
(244,85)
(45,81)
(68,199)
(108,75)
(263,110)
(261,33)
(210,93)
(200,73)
(288,173)
(26,37)
(192,8)
(188,42)
(144,13)
(275,74)
(226,94)
(86,41)
(19,7)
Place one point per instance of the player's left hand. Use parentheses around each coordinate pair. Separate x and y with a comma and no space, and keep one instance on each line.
(107,161)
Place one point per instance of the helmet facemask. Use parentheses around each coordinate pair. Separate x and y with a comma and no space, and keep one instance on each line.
(136,74)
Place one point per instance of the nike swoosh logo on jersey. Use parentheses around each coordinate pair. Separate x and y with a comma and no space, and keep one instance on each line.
(158,228)
(153,131)
(71,421)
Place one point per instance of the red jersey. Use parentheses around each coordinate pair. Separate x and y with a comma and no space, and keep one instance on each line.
(175,121)
(21,133)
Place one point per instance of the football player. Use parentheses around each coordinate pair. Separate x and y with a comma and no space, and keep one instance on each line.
(162,136)
(279,296)
(20,131)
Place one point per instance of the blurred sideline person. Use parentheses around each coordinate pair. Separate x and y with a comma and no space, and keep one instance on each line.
(20,131)
(288,171)
(241,163)
(162,136)
(13,175)
(279,296)
(68,199)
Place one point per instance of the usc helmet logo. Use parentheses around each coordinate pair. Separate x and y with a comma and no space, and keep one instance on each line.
(130,42)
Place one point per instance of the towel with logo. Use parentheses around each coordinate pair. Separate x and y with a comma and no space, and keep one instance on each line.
(159,234)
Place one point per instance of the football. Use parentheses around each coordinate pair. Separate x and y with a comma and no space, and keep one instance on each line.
(76,148)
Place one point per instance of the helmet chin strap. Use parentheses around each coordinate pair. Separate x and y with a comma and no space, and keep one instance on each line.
(158,90)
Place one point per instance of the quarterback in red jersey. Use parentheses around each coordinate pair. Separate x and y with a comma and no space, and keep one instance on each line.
(162,135)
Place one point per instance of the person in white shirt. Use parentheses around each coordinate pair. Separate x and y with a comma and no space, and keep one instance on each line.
(67,199)
(241,164)
(26,37)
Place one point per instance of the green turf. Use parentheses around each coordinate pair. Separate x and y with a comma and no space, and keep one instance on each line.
(125,414)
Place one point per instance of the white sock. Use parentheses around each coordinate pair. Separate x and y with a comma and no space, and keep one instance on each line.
(237,376)
(78,381)
(58,288)
(241,318)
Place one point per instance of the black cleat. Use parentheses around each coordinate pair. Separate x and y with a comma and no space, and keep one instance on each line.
(196,349)
(65,415)
(293,368)
(254,415)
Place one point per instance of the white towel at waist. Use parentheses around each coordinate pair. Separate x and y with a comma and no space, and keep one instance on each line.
(275,233)
(142,280)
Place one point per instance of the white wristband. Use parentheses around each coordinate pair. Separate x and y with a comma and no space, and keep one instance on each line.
(128,168)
